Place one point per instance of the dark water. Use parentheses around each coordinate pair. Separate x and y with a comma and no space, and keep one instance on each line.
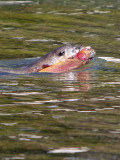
(70,116)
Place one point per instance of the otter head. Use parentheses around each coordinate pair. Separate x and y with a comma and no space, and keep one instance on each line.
(67,52)
(63,53)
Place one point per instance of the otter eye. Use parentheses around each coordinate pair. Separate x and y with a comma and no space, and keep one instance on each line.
(61,53)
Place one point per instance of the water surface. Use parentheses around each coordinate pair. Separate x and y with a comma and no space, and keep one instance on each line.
(70,116)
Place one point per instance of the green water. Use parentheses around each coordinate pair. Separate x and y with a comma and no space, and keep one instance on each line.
(79,109)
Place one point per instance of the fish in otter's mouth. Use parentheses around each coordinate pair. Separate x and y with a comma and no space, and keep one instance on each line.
(75,57)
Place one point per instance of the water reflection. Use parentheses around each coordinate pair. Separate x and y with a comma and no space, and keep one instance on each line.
(82,78)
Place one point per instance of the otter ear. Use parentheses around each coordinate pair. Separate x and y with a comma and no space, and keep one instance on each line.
(61,53)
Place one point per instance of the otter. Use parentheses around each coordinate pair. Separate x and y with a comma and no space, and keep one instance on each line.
(61,57)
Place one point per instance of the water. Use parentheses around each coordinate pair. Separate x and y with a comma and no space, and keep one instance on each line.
(70,116)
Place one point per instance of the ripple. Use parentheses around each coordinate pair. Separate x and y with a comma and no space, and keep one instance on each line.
(59,13)
(14,158)
(23,93)
(102,109)
(29,112)
(39,12)
(106,97)
(53,106)
(78,9)
(90,35)
(97,99)
(111,59)
(49,40)
(90,12)
(117,131)
(40,40)
(110,24)
(98,12)
(109,6)
(67,110)
(19,38)
(24,139)
(5,114)
(9,84)
(15,2)
(78,13)
(69,150)
(26,103)
(8,28)
(87,111)
(111,84)
(47,101)
(101,12)
(51,12)
(58,117)
(118,39)
(71,100)
(30,136)
(29,130)
(12,137)
(116,106)
(9,124)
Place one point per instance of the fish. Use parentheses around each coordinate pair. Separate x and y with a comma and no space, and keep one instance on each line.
(84,56)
